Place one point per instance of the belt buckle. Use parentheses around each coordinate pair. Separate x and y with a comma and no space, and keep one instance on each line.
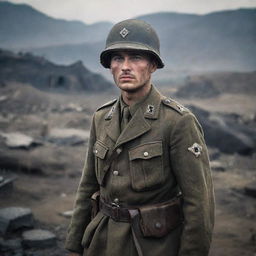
(115,211)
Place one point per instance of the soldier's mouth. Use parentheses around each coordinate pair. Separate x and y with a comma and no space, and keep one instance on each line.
(126,77)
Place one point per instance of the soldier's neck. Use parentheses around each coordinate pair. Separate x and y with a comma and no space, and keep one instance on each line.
(131,97)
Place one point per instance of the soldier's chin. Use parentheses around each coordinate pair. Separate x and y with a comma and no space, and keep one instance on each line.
(130,88)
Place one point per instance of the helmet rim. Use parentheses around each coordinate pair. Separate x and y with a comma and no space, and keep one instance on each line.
(119,46)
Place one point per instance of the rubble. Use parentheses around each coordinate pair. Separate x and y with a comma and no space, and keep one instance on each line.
(67,214)
(217,166)
(13,246)
(12,243)
(250,189)
(6,184)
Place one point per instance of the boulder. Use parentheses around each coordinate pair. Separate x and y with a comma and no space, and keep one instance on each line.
(6,184)
(13,218)
(19,140)
(68,136)
(11,245)
(38,238)
(223,133)
(17,160)
(3,225)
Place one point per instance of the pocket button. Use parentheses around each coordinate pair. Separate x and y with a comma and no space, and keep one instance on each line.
(145,153)
(158,225)
(115,173)
(116,201)
(118,151)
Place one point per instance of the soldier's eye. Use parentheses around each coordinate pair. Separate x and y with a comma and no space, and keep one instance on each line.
(116,58)
(136,57)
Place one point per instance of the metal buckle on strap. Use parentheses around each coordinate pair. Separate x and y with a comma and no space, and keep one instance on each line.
(115,209)
(115,205)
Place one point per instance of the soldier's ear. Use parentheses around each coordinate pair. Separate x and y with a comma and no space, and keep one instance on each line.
(109,61)
(153,66)
(110,68)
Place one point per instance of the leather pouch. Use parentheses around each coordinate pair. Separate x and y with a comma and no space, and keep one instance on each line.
(159,219)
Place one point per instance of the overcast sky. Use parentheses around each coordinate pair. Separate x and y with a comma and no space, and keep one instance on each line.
(91,11)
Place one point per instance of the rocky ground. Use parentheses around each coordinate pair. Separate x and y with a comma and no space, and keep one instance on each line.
(46,169)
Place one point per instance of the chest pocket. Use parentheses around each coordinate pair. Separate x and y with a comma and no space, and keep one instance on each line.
(146,165)
(100,151)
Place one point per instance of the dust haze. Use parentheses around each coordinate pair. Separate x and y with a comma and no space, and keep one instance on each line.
(51,82)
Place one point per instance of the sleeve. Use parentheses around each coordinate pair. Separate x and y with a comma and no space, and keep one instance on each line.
(193,174)
(82,209)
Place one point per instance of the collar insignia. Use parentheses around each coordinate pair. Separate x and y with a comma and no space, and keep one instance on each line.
(196,149)
(124,32)
(150,109)
(110,113)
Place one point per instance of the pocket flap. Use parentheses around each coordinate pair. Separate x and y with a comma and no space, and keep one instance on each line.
(100,150)
(146,151)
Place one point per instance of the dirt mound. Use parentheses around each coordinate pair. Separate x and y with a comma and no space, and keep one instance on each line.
(213,84)
(45,75)
(22,98)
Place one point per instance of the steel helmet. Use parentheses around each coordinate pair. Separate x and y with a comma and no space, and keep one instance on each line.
(132,34)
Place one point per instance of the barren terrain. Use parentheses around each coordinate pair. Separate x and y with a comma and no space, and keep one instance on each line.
(51,191)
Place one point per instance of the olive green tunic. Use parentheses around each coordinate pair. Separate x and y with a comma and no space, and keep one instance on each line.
(167,132)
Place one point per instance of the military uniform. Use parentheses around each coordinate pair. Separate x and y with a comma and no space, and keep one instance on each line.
(159,152)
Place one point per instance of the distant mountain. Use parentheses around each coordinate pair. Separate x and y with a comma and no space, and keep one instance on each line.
(21,26)
(65,54)
(219,41)
(45,75)
(168,21)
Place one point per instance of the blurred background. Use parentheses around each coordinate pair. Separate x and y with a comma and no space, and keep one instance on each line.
(51,82)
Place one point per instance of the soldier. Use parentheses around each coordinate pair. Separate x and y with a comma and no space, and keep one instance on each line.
(146,187)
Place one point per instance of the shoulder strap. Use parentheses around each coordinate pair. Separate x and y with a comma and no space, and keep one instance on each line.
(110,103)
(174,105)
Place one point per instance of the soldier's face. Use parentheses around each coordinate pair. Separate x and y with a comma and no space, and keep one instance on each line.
(131,70)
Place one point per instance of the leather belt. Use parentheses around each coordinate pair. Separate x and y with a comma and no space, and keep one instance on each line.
(121,214)
(130,215)
(117,213)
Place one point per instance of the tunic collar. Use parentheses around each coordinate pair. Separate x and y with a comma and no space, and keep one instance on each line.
(133,108)
(149,104)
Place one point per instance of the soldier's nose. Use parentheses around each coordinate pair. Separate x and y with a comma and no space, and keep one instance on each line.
(126,65)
